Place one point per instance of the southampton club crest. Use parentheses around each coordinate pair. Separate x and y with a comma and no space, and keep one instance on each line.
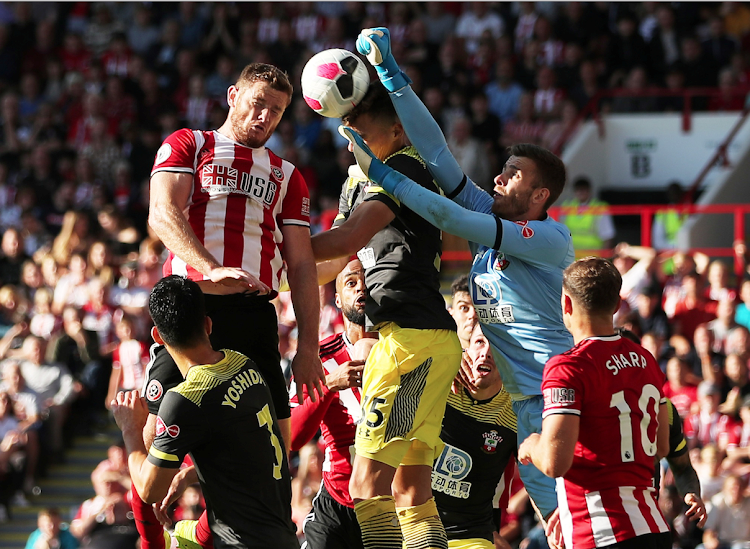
(491,440)
(500,262)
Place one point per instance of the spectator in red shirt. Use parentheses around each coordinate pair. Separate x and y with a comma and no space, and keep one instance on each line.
(116,58)
(691,308)
(74,55)
(708,425)
(678,389)
(735,367)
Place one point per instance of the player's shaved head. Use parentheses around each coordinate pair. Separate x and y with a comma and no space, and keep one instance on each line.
(178,308)
(593,283)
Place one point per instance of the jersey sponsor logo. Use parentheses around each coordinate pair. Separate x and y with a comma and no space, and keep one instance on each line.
(217,179)
(450,470)
(487,295)
(243,380)
(620,362)
(305,206)
(491,440)
(500,262)
(161,428)
(454,463)
(154,390)
(526,231)
(164,152)
(559,396)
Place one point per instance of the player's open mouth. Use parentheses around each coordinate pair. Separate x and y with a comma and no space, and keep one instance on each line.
(483,369)
(361,300)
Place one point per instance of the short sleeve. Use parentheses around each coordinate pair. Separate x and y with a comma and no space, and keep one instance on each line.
(161,375)
(295,210)
(176,154)
(180,428)
(562,387)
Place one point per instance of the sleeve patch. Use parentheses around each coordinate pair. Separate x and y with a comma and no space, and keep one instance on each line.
(559,397)
(154,390)
(164,152)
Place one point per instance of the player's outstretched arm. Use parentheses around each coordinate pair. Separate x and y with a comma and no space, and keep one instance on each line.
(306,366)
(442,212)
(131,414)
(421,128)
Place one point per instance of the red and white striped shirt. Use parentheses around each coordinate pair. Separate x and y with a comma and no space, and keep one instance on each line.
(241,198)
(615,386)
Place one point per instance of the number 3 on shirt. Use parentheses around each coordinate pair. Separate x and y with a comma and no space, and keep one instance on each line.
(264,418)
(650,413)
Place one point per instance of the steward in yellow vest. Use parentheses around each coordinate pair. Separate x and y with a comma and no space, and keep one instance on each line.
(590,226)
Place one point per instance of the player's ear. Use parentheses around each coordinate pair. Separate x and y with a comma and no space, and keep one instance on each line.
(209,325)
(567,304)
(398,130)
(156,335)
(338,300)
(232,93)
(540,195)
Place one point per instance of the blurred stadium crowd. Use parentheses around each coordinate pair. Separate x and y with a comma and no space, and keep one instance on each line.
(87,98)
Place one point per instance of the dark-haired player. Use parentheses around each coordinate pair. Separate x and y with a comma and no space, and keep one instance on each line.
(462,309)
(519,251)
(605,422)
(479,432)
(409,370)
(223,415)
(332,524)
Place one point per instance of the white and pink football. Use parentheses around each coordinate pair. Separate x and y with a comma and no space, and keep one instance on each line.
(334,81)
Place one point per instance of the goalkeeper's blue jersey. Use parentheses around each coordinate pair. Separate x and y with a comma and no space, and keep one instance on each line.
(516,293)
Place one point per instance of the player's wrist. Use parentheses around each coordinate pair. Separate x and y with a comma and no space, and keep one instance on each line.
(392,78)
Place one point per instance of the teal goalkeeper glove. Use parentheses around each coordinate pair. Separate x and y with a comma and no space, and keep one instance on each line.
(375,44)
(371,166)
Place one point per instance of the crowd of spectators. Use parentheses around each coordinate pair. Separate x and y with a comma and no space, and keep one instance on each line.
(86,99)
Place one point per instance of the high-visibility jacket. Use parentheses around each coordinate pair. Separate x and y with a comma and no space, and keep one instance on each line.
(582,222)
(672,222)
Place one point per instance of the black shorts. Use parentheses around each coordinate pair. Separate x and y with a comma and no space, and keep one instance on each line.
(646,541)
(248,324)
(331,525)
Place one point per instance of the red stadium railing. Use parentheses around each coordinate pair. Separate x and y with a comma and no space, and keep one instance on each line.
(646,214)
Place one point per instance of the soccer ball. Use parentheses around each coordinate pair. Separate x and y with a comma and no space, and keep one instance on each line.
(333,82)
